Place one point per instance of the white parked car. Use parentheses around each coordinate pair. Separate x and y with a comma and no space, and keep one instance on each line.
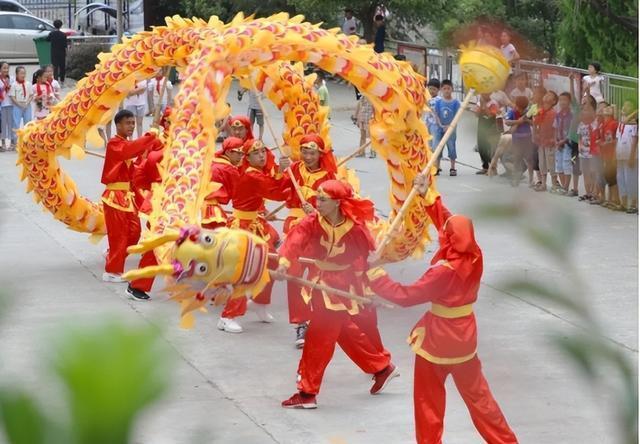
(17,31)
(13,6)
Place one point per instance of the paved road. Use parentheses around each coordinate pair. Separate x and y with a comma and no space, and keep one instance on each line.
(228,388)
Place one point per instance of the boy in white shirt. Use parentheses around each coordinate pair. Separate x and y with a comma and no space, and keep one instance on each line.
(136,102)
(155,88)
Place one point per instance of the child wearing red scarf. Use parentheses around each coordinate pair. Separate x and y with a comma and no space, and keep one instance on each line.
(339,241)
(6,110)
(317,166)
(154,88)
(445,339)
(21,93)
(44,96)
(225,172)
(255,184)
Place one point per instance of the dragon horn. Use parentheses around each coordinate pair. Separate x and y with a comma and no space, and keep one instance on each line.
(148,272)
(150,244)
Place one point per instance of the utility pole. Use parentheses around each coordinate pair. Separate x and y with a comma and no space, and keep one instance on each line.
(120,19)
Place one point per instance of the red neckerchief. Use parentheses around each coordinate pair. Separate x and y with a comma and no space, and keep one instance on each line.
(24,88)
(39,88)
(158,79)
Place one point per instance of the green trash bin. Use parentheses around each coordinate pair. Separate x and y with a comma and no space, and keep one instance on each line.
(43,50)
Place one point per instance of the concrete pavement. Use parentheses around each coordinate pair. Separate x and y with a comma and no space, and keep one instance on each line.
(228,387)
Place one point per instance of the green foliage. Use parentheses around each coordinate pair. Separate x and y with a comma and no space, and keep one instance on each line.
(590,351)
(82,59)
(111,373)
(600,31)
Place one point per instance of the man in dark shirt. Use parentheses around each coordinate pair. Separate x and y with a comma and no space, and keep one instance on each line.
(58,41)
(378,45)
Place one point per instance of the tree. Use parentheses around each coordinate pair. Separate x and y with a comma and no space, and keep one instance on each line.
(600,30)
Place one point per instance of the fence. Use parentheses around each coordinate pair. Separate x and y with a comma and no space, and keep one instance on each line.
(66,10)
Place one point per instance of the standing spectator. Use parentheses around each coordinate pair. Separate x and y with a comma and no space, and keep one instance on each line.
(596,156)
(55,85)
(592,83)
(58,41)
(574,138)
(155,88)
(546,141)
(364,114)
(587,129)
(522,146)
(488,133)
(534,108)
(322,90)
(350,24)
(627,158)
(6,110)
(562,127)
(508,50)
(136,102)
(446,109)
(43,95)
(254,111)
(608,153)
(430,117)
(21,94)
(378,45)
(521,88)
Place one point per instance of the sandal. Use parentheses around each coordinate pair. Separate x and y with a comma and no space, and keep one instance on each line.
(438,172)
(584,197)
(632,210)
(540,187)
(453,172)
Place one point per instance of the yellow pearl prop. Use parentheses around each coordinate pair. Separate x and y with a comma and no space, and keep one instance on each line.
(483,68)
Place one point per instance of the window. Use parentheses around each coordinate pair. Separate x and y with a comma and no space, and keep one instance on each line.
(24,22)
(10,7)
(5,22)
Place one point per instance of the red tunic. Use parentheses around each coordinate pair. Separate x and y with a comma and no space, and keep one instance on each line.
(116,172)
(341,257)
(226,174)
(447,333)
(252,188)
(144,173)
(309,182)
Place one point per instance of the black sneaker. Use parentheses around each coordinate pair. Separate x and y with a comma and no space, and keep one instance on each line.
(136,294)
(301,331)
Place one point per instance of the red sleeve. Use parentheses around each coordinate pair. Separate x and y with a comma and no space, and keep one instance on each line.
(438,213)
(296,240)
(433,283)
(272,188)
(128,149)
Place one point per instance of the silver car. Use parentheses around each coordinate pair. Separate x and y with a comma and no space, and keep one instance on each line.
(17,32)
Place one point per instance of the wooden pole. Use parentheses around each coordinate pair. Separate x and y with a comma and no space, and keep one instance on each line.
(94,154)
(342,162)
(156,113)
(275,140)
(414,191)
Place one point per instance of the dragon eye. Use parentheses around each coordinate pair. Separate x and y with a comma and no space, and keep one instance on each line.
(201,269)
(207,239)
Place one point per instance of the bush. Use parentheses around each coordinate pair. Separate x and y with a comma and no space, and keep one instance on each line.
(81,59)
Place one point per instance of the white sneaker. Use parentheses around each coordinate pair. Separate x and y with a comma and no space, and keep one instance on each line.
(229,325)
(112,277)
(261,311)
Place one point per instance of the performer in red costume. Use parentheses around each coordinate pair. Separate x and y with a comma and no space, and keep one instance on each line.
(316,167)
(254,185)
(144,173)
(445,339)
(337,238)
(225,172)
(240,127)
(123,224)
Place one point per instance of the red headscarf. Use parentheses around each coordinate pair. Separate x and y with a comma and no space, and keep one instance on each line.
(327,159)
(358,210)
(230,143)
(244,120)
(164,120)
(458,246)
(252,145)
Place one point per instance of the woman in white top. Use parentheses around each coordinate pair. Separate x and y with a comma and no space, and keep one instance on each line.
(6,109)
(592,83)
(21,94)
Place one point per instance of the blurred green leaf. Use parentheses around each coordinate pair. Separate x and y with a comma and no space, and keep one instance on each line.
(112,372)
(550,294)
(22,419)
(499,211)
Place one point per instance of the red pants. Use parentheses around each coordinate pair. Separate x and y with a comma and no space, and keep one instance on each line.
(144,284)
(238,306)
(429,398)
(327,328)
(299,311)
(123,230)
